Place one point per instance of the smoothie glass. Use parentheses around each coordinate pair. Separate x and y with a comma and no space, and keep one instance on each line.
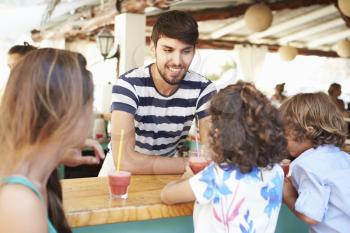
(197,162)
(118,184)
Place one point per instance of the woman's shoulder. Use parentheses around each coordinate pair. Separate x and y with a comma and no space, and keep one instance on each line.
(11,193)
(12,208)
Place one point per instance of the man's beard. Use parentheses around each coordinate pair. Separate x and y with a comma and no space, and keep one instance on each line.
(172,82)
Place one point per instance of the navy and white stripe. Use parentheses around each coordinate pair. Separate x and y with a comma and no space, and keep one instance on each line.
(162,122)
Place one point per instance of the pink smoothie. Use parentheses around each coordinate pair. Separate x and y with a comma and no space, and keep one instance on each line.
(197,163)
(118,183)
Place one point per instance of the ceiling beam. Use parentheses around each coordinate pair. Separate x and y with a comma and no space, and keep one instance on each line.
(344,17)
(228,29)
(238,10)
(230,45)
(314,15)
(307,32)
(334,37)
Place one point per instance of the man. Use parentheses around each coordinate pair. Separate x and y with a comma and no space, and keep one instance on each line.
(16,52)
(155,105)
(278,98)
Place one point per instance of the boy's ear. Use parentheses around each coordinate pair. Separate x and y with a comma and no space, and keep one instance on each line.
(311,131)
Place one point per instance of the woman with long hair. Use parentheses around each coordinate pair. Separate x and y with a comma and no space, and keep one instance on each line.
(45,109)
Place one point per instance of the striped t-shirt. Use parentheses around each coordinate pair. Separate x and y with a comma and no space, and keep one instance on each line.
(162,122)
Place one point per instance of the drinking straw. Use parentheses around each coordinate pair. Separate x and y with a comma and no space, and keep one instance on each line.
(196,136)
(120,149)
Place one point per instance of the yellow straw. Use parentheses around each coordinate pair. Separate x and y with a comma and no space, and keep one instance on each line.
(120,149)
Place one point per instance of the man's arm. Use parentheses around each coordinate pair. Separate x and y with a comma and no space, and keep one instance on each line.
(138,163)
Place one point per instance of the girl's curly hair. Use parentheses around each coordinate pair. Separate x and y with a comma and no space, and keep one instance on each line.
(314,117)
(246,129)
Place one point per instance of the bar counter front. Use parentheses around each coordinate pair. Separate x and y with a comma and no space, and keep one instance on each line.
(89,208)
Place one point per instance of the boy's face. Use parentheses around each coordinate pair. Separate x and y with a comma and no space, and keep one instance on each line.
(173,59)
(295,148)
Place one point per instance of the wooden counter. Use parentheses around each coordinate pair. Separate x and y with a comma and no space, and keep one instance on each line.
(86,201)
(89,209)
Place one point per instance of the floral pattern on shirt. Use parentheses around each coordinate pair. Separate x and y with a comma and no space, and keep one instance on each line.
(214,189)
(224,185)
(249,223)
(273,194)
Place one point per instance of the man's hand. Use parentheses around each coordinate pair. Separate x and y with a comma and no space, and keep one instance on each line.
(74,157)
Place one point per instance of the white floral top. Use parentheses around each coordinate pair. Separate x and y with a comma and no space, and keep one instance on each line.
(229,201)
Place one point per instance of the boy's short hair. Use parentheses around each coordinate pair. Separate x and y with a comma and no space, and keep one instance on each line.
(313,116)
(177,25)
(246,129)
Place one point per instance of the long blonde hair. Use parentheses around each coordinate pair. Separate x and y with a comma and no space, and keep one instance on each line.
(46,94)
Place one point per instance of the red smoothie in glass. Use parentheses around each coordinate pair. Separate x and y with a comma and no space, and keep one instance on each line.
(197,163)
(118,184)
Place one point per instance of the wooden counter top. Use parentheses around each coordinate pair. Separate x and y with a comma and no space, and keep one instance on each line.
(86,201)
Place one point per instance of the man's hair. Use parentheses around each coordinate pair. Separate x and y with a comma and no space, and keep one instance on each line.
(333,87)
(21,49)
(177,25)
(246,129)
(314,117)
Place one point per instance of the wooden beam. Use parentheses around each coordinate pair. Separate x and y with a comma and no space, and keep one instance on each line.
(235,11)
(230,45)
(219,44)
(138,6)
(294,22)
(344,17)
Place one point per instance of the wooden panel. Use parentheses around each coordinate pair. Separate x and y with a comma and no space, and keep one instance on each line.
(86,201)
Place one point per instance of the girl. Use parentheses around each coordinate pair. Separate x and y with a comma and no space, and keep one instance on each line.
(241,191)
(44,112)
(317,191)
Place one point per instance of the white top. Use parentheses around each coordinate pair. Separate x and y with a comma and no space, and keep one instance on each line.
(229,201)
(321,177)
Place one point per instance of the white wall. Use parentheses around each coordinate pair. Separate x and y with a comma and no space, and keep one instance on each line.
(305,74)
(104,73)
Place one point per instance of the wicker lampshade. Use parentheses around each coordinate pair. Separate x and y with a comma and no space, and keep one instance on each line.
(344,6)
(287,53)
(343,48)
(258,17)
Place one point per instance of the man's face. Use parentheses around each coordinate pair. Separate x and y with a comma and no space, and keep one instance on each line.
(173,59)
(280,88)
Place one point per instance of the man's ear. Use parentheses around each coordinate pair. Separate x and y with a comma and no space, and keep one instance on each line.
(152,47)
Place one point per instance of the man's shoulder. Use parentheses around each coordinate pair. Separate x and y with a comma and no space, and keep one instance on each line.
(198,81)
(196,77)
(138,72)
